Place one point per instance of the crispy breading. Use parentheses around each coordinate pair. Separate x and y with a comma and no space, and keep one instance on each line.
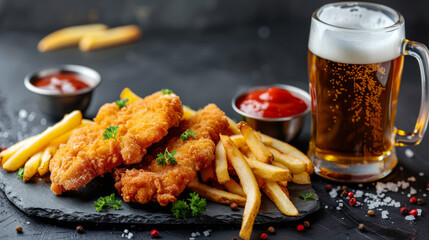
(87,155)
(152,182)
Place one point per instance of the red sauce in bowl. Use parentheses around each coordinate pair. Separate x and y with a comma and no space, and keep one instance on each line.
(271,103)
(63,82)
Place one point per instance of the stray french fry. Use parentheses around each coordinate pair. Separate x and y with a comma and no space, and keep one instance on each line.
(110,37)
(68,36)
(9,152)
(270,172)
(255,144)
(301,178)
(47,155)
(214,194)
(31,166)
(249,184)
(208,174)
(69,122)
(221,164)
(294,164)
(63,138)
(288,149)
(127,93)
(280,199)
(234,187)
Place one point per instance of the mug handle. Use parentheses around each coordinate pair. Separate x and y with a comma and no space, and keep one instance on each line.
(421,53)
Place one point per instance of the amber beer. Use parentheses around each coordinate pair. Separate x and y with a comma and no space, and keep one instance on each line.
(354,108)
(355,58)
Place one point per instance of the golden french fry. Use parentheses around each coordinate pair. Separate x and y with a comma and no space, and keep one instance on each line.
(238,140)
(221,164)
(280,199)
(255,144)
(249,184)
(47,155)
(270,172)
(10,151)
(110,37)
(234,187)
(294,164)
(282,183)
(69,122)
(232,126)
(127,93)
(214,194)
(188,112)
(288,149)
(208,174)
(68,36)
(31,166)
(301,178)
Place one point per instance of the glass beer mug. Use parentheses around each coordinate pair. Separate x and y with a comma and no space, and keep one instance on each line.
(355,58)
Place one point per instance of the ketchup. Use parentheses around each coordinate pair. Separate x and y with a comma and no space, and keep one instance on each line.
(271,103)
(64,82)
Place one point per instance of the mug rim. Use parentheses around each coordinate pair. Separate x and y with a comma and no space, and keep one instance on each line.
(399,22)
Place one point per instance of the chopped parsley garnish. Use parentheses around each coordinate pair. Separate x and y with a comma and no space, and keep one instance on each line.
(166,157)
(122,103)
(307,196)
(186,134)
(111,132)
(107,201)
(21,173)
(166,91)
(194,206)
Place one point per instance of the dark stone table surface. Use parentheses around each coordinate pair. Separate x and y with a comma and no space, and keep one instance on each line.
(202,68)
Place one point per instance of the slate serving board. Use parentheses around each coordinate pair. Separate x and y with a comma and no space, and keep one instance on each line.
(36,199)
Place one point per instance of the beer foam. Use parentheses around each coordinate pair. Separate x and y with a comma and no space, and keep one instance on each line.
(355,35)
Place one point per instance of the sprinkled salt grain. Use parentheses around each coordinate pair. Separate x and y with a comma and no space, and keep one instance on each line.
(408,195)
(411,179)
(123,235)
(419,212)
(397,204)
(193,234)
(326,206)
(413,191)
(27,223)
(130,235)
(421,174)
(43,122)
(425,195)
(358,194)
(341,204)
(384,214)
(387,200)
(198,234)
(126,231)
(22,113)
(360,185)
(333,193)
(338,208)
(403,184)
(191,238)
(206,233)
(410,218)
(409,153)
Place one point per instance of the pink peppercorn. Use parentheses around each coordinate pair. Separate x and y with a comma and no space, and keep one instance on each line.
(154,233)
(350,194)
(413,200)
(413,212)
(264,236)
(300,228)
(352,201)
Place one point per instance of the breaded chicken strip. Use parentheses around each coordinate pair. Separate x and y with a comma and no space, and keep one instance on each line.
(154,182)
(87,155)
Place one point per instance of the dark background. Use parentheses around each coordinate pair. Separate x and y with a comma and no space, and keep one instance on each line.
(205,51)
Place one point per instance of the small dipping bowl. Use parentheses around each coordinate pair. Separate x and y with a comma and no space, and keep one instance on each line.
(286,128)
(56,104)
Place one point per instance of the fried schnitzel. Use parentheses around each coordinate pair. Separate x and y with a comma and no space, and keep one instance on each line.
(87,155)
(153,182)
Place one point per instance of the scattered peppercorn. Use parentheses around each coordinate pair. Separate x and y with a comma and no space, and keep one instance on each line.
(344,193)
(154,233)
(328,187)
(300,228)
(371,213)
(352,201)
(271,230)
(413,212)
(413,200)
(404,210)
(306,224)
(350,194)
(79,229)
(264,236)
(420,201)
(233,206)
(19,229)
(344,188)
(361,227)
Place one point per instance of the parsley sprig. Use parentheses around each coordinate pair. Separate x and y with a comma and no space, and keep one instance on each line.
(107,201)
(307,196)
(185,135)
(166,157)
(166,91)
(111,132)
(122,103)
(195,206)
(21,173)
